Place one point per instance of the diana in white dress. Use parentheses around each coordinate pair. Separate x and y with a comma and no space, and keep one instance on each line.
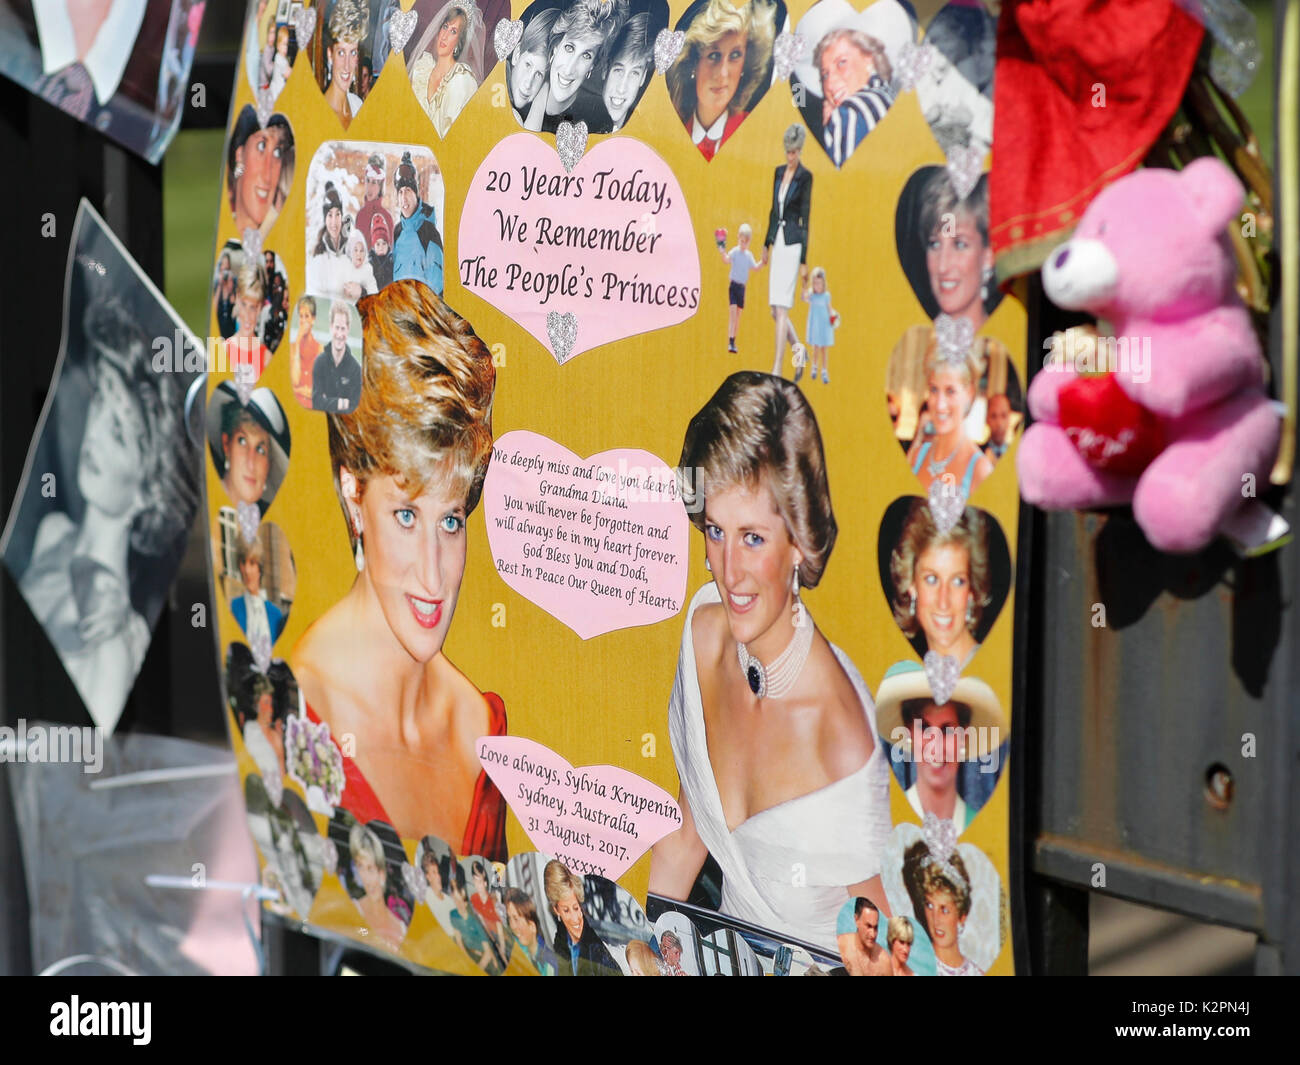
(443,84)
(772,727)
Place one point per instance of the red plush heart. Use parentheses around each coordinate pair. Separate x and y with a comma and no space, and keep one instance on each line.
(1110,430)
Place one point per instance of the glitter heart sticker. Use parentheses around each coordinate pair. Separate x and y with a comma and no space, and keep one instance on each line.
(571,143)
(400,28)
(563,331)
(252,242)
(785,54)
(946,503)
(913,64)
(668,46)
(265,106)
(261,648)
(250,519)
(304,25)
(943,672)
(506,36)
(965,164)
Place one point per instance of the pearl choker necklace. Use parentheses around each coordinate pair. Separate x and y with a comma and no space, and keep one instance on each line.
(776,680)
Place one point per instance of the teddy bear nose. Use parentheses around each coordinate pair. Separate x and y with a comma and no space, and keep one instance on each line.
(1061,256)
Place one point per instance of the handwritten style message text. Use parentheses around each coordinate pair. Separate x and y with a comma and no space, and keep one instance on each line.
(600,544)
(610,243)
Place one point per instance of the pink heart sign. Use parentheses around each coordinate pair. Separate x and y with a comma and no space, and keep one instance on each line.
(610,243)
(597,819)
(599,543)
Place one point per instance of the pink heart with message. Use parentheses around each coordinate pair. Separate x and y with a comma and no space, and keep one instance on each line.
(597,819)
(610,243)
(599,543)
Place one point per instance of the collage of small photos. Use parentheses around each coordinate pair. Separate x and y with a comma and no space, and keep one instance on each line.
(373,388)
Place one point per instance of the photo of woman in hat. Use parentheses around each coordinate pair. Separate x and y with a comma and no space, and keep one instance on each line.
(327,264)
(408,465)
(937,747)
(249,444)
(771,725)
(259,169)
(724,68)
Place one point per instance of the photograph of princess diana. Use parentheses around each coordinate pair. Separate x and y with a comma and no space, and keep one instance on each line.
(764,787)
(110,486)
(583,61)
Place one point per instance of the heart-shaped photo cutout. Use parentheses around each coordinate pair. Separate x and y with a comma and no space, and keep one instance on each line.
(259,169)
(598,818)
(275,35)
(374,216)
(250,304)
(582,61)
(955,90)
(943,246)
(599,543)
(726,65)
(467,901)
(256,575)
(843,78)
(292,851)
(350,42)
(955,405)
(569,923)
(525,219)
(947,748)
(920,866)
(263,700)
(450,49)
(945,587)
(371,863)
(249,444)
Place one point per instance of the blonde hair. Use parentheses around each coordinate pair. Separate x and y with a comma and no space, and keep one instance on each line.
(348,22)
(759,429)
(899,931)
(641,959)
(425,412)
(756,21)
(817,271)
(559,880)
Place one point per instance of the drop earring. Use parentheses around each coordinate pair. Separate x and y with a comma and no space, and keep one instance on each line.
(800,614)
(985,278)
(911,605)
(970,614)
(707,564)
(239,171)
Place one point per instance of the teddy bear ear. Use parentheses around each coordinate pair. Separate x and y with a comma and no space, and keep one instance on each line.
(1215,191)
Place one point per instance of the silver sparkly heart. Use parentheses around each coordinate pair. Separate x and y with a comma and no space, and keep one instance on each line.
(563,331)
(253,241)
(265,106)
(668,46)
(506,36)
(244,381)
(261,648)
(953,338)
(250,520)
(304,25)
(413,880)
(913,62)
(946,503)
(965,164)
(942,671)
(785,54)
(400,28)
(571,143)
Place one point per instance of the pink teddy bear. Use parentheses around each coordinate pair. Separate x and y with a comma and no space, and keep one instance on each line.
(1178,433)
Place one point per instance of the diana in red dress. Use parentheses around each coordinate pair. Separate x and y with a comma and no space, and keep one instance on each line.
(409,464)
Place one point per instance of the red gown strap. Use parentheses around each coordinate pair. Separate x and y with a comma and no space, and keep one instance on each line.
(485,833)
(359,799)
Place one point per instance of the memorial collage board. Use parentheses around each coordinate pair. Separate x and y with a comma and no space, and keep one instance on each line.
(576,615)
